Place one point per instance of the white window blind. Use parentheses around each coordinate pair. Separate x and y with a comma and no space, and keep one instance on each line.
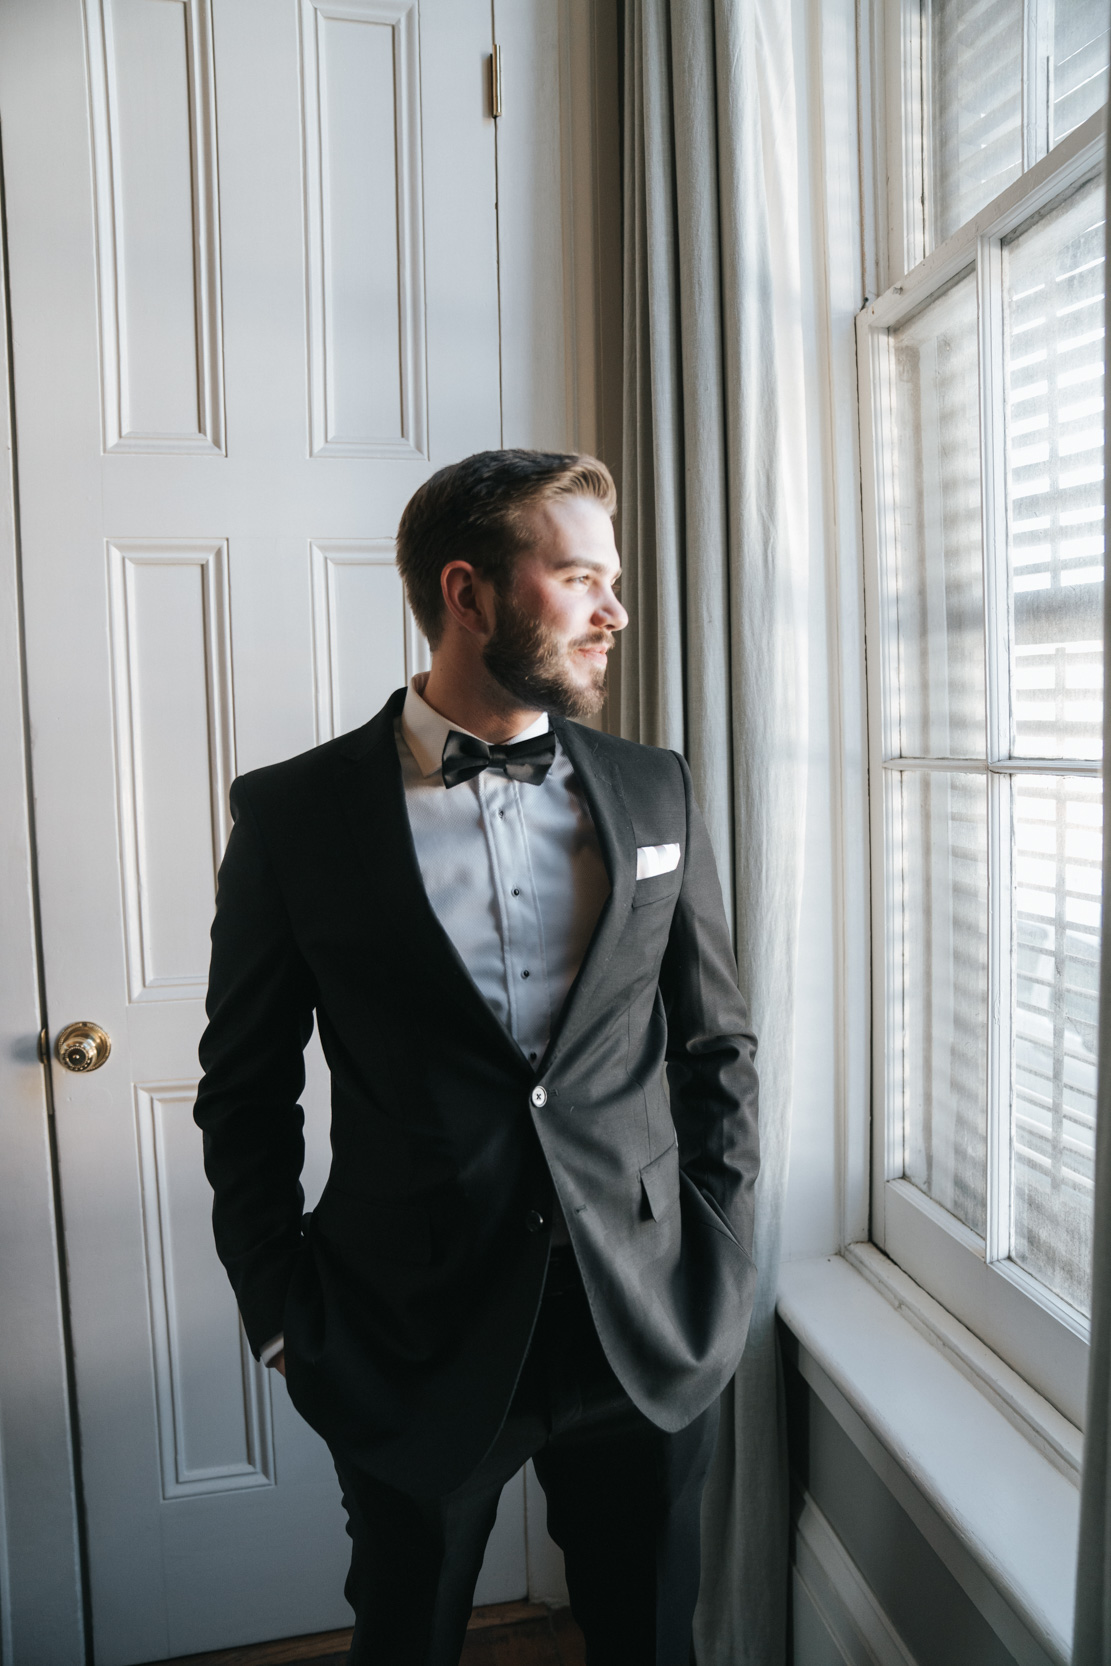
(1053,355)
(938,818)
(1058,848)
(976,53)
(1005,81)
(1004,829)
(1080,53)
(1053,281)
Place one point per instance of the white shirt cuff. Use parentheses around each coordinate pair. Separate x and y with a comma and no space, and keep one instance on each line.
(272,1348)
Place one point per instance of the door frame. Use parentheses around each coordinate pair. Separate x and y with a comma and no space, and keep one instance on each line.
(43,1606)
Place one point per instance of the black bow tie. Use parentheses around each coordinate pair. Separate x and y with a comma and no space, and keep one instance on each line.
(528,760)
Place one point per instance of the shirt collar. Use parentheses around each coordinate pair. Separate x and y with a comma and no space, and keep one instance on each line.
(425,731)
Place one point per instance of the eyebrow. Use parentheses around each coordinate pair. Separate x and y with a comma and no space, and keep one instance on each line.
(584,561)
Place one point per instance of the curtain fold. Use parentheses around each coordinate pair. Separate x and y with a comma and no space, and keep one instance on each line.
(713,661)
(1092,1630)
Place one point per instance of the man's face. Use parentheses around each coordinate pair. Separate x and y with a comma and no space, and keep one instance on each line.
(556,623)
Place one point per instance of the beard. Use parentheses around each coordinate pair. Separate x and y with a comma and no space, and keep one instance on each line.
(530,661)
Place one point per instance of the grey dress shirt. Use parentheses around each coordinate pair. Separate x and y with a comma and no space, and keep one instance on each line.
(513,872)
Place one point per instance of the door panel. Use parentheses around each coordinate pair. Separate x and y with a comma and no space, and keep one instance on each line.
(363,636)
(170,645)
(211,1395)
(153,118)
(361,95)
(254,299)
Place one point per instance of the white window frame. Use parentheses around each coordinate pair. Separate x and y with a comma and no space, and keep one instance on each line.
(1042,1337)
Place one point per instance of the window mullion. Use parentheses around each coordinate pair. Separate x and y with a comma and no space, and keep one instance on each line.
(914,77)
(886,732)
(997,659)
(1037,68)
(1000,996)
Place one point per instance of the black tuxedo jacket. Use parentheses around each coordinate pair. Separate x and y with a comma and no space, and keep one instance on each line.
(408,1297)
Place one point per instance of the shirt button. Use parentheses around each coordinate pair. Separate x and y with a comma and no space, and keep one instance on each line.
(516,890)
(524,974)
(532,1058)
(534,1220)
(501,815)
(539,1096)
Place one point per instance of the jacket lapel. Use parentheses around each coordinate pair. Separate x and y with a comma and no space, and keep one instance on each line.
(369,786)
(602,789)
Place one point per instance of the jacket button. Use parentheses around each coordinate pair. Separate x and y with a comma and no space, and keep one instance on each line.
(539,1096)
(534,1220)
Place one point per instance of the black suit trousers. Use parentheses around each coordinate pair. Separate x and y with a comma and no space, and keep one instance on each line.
(623,1501)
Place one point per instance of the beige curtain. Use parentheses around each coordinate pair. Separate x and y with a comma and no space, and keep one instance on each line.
(1092,1636)
(714,533)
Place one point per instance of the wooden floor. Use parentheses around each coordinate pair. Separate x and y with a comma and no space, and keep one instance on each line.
(506,1634)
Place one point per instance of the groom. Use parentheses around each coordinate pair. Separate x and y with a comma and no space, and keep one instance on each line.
(534,1240)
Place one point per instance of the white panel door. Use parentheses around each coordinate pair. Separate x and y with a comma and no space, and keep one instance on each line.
(255,302)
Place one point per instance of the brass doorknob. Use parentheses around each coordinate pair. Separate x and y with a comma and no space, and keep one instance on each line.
(82,1046)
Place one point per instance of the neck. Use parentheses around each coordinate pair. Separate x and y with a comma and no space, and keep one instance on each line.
(467,696)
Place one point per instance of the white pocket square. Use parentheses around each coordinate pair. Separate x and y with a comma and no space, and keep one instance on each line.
(656,859)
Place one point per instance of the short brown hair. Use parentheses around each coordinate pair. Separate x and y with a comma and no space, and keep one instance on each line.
(472,511)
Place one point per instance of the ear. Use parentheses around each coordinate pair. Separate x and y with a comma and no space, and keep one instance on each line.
(468,598)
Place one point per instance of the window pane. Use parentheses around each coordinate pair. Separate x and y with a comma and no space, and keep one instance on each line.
(940,822)
(938,579)
(1079,63)
(1057,830)
(976,60)
(1053,348)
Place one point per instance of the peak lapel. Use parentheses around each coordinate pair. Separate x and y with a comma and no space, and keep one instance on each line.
(602,789)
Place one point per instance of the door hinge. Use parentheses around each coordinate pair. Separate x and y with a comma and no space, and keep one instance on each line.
(44,1047)
(495,82)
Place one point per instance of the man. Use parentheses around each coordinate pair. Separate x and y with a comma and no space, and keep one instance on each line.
(534,1240)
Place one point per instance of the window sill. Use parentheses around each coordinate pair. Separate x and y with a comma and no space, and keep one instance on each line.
(998,1510)
(1045,1340)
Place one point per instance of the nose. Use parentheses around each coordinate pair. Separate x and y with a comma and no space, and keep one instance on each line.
(611,613)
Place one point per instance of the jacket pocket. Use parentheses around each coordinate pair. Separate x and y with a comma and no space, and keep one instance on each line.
(659,1181)
(714,1215)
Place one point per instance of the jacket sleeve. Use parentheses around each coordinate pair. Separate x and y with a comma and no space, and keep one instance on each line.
(260,1017)
(711,1047)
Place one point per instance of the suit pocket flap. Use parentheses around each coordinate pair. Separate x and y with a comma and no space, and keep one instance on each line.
(660,1181)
